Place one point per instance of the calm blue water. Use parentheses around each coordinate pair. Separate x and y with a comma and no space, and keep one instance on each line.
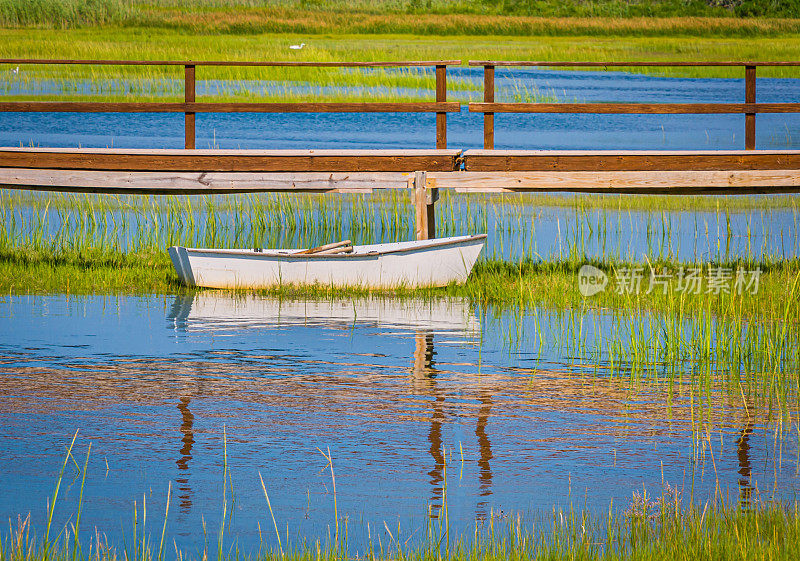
(667,132)
(410,397)
(413,399)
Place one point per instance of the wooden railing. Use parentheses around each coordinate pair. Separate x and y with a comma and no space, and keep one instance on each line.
(488,107)
(440,106)
(190,107)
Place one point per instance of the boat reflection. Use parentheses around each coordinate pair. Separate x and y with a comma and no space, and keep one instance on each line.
(207,311)
(226,311)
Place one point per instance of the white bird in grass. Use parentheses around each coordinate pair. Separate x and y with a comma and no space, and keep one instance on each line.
(15,71)
(297,47)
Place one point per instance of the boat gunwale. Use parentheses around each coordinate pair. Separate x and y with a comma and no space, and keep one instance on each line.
(443,242)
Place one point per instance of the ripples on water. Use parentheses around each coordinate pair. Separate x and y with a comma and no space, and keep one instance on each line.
(410,397)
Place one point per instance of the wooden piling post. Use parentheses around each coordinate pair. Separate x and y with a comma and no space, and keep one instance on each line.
(424,210)
(750,118)
(188,97)
(488,97)
(441,96)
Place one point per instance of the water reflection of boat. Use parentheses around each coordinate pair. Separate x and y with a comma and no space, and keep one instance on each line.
(413,264)
(219,311)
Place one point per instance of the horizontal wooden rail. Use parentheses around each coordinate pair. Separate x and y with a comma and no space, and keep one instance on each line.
(737,182)
(235,107)
(200,183)
(267,161)
(628,63)
(341,64)
(635,108)
(608,160)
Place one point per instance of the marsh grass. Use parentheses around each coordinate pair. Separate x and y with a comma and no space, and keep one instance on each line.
(339,45)
(744,335)
(525,229)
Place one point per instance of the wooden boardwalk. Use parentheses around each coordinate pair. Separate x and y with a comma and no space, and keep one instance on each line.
(192,171)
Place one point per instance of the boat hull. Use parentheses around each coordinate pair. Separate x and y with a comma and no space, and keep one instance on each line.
(436,262)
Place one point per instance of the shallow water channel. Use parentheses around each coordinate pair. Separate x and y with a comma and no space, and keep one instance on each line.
(421,404)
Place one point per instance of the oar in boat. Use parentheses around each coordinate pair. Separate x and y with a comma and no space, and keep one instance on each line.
(344,246)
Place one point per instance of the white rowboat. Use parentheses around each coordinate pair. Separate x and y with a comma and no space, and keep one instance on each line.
(411,264)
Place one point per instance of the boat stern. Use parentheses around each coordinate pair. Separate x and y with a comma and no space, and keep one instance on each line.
(180,260)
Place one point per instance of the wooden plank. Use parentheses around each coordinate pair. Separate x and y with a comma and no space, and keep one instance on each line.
(184,183)
(341,64)
(659,182)
(488,116)
(189,117)
(238,152)
(499,160)
(517,152)
(750,98)
(238,107)
(595,63)
(210,160)
(635,108)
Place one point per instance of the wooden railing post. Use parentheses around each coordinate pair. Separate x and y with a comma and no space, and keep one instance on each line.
(188,97)
(441,96)
(488,97)
(750,118)
(424,210)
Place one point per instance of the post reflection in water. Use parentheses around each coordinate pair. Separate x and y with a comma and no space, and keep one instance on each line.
(485,447)
(423,374)
(743,453)
(185,491)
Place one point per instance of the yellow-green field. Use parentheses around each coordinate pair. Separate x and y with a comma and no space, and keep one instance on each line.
(163,44)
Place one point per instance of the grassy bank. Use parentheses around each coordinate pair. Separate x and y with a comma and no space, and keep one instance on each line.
(528,284)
